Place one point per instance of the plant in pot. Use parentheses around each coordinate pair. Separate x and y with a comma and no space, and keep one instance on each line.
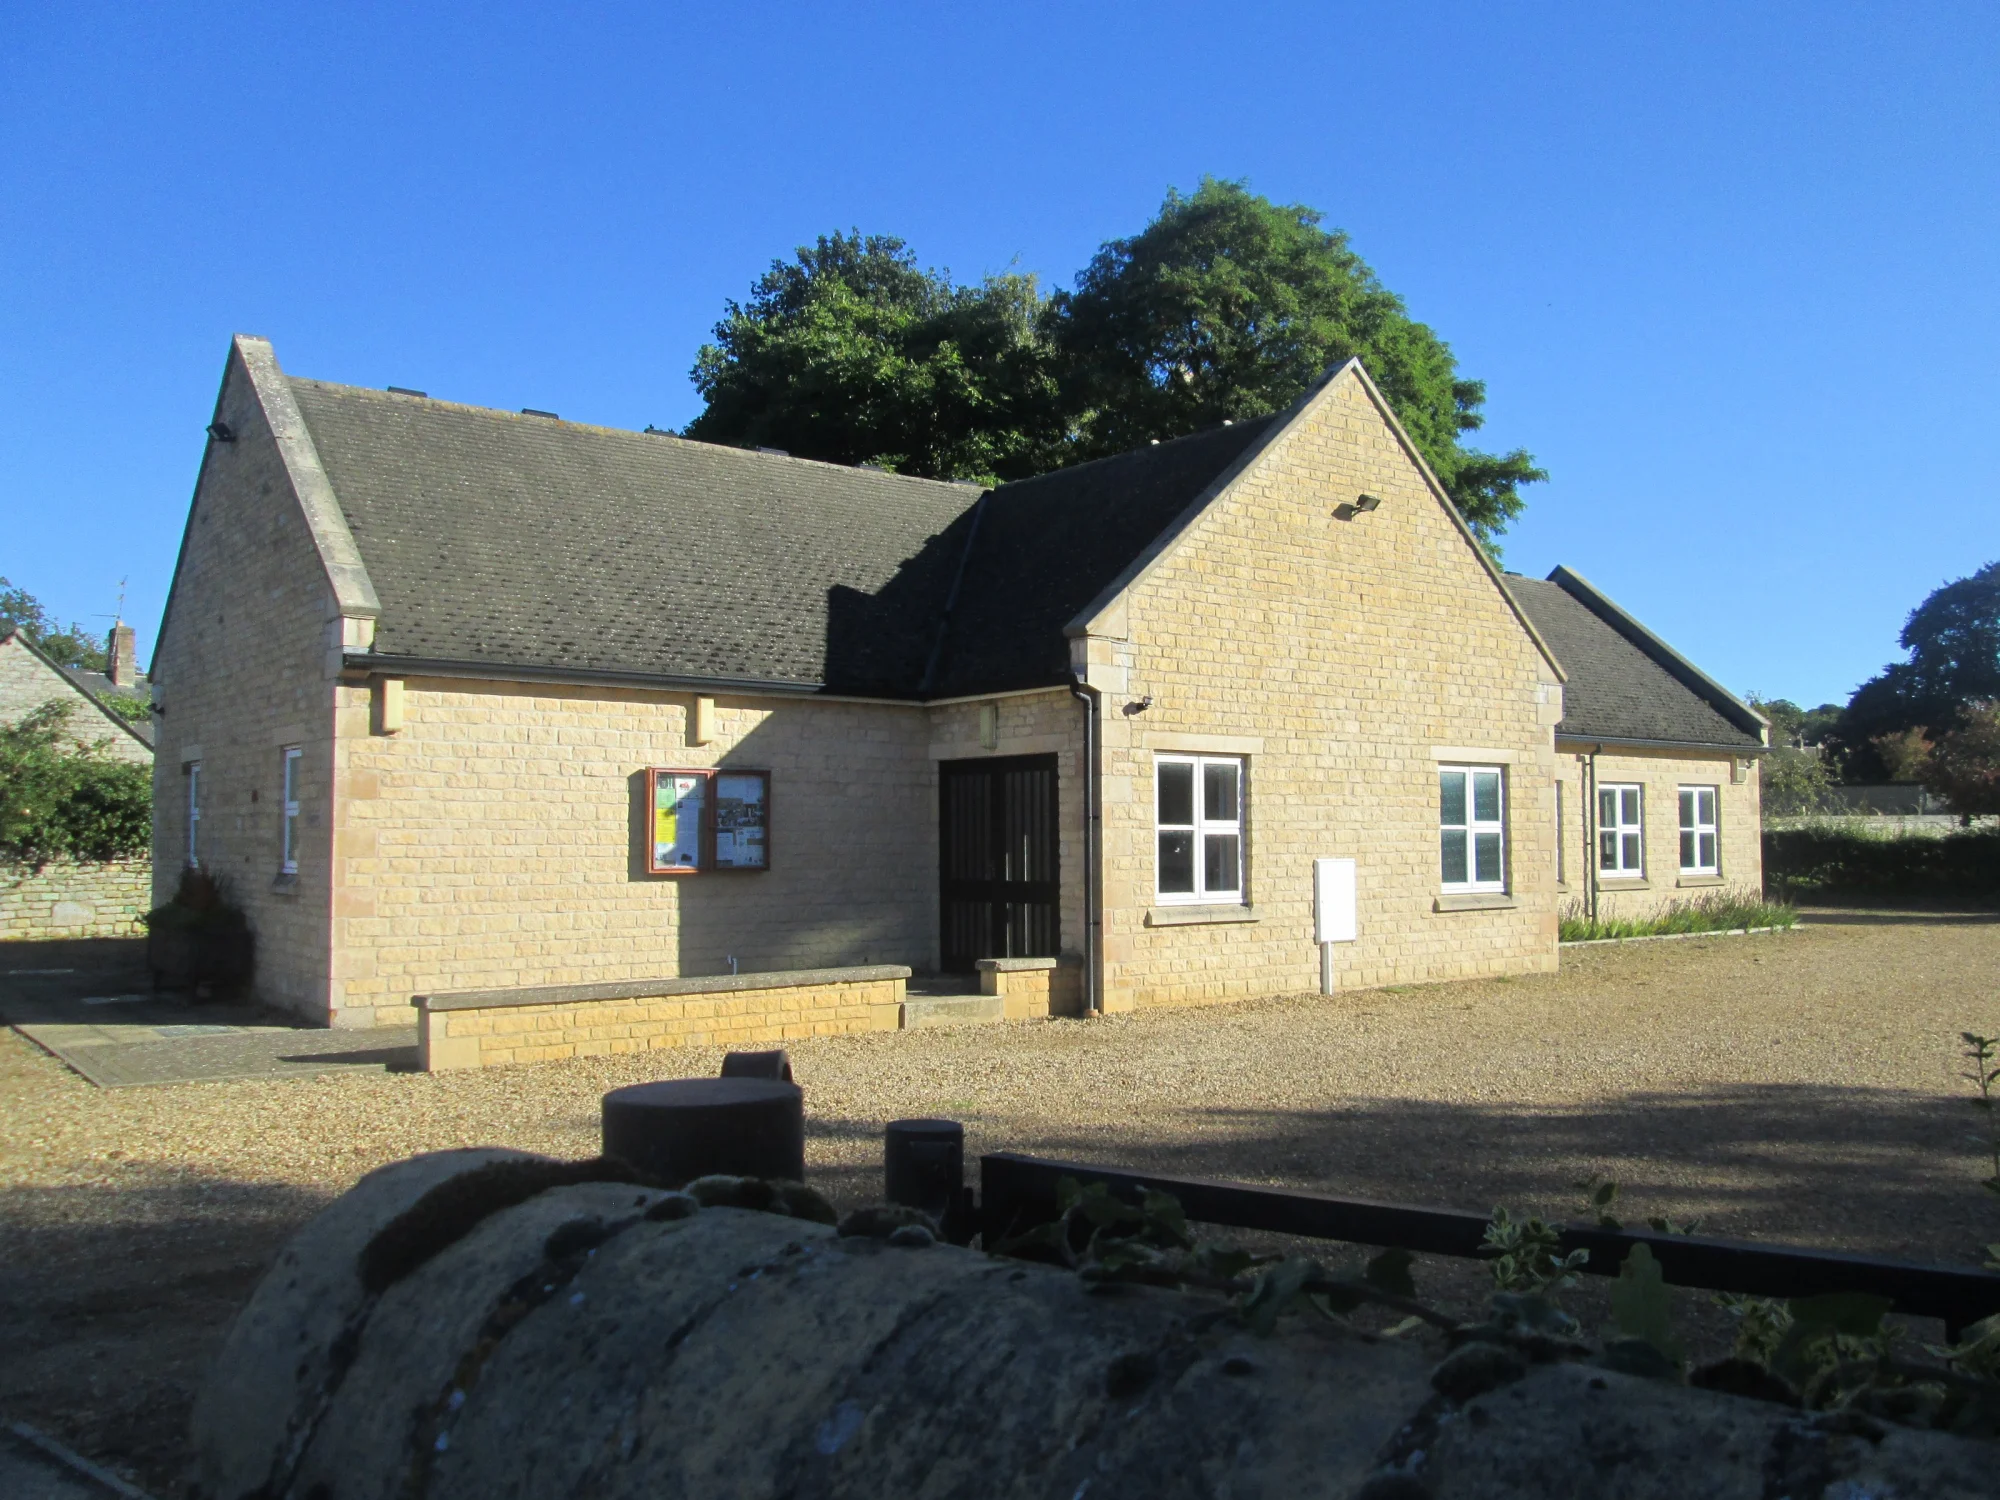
(200,941)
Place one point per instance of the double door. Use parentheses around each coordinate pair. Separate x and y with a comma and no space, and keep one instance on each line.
(998,849)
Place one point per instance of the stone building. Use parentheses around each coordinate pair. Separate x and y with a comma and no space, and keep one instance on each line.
(462,700)
(62,900)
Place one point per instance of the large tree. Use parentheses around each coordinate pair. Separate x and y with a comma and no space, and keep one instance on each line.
(854,354)
(1953,641)
(1230,305)
(1226,305)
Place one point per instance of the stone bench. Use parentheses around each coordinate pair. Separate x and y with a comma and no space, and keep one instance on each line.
(491,1028)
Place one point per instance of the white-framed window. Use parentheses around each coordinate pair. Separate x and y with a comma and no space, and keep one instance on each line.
(1472,828)
(1198,818)
(288,862)
(1701,849)
(1621,830)
(192,770)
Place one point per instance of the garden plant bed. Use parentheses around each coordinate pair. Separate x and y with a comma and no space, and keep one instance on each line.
(1806,1094)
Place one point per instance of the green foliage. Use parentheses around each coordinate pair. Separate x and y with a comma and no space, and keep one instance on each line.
(1980,1053)
(1793,727)
(1641,1308)
(1718,911)
(1845,858)
(1963,767)
(61,799)
(74,647)
(854,355)
(1229,305)
(1525,1258)
(1953,641)
(1794,782)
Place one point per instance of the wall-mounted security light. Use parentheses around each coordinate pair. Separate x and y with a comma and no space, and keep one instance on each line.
(221,432)
(1139,706)
(1366,503)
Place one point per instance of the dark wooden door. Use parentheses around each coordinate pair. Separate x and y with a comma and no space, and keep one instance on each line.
(998,845)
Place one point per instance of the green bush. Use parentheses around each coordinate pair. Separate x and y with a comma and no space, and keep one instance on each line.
(63,799)
(1840,858)
(200,940)
(1720,911)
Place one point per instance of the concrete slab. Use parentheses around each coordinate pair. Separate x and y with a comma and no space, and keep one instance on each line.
(102,1022)
(952,1010)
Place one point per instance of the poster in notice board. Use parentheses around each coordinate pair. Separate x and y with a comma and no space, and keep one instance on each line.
(679,799)
(742,820)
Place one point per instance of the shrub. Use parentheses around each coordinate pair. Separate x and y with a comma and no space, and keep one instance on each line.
(1719,911)
(62,799)
(1794,782)
(1845,859)
(1964,766)
(200,940)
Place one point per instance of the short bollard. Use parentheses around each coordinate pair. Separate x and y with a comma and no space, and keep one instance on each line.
(775,1064)
(923,1167)
(686,1128)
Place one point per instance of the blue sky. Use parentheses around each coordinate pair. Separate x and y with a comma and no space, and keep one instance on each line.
(1728,271)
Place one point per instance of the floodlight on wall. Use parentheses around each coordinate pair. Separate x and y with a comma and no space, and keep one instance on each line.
(1366,503)
(221,432)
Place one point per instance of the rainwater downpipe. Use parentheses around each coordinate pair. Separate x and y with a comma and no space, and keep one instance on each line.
(1093,827)
(1590,829)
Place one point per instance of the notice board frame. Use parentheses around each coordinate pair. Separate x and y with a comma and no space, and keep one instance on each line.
(705,861)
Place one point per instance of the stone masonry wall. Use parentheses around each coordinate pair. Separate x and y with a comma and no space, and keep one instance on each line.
(497,841)
(241,672)
(504,1034)
(1029,724)
(27,682)
(1343,660)
(1662,774)
(74,901)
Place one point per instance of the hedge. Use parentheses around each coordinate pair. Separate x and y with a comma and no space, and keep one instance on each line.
(1837,859)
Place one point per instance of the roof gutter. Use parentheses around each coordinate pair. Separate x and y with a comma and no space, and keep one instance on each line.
(1581,742)
(379,664)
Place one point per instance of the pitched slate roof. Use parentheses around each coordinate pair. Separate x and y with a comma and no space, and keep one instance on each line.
(1624,682)
(514,540)
(520,541)
(1048,546)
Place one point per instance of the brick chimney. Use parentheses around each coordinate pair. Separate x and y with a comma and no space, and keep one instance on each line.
(122,656)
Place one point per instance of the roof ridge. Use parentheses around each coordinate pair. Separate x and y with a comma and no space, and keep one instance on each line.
(626,432)
(1159,443)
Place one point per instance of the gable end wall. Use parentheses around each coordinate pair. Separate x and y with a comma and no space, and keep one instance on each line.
(1345,654)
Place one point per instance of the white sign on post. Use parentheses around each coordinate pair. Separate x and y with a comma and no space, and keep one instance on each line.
(1333,900)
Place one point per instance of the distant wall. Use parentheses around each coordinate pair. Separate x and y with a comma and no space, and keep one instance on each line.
(74,901)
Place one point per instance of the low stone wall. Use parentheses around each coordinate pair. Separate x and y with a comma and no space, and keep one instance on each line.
(1033,988)
(490,1028)
(74,901)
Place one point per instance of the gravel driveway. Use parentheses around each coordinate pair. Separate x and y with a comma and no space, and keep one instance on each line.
(1800,1087)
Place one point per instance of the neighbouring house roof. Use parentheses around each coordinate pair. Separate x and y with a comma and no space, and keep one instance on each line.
(1625,683)
(94,688)
(522,541)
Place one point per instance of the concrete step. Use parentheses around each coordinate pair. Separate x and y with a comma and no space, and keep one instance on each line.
(952,1010)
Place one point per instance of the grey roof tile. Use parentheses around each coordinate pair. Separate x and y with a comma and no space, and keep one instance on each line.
(1619,688)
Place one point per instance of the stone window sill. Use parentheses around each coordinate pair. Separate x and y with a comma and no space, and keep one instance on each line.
(1476,901)
(1687,881)
(1629,883)
(1196,916)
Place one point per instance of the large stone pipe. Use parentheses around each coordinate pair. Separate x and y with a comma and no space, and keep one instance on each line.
(475,1325)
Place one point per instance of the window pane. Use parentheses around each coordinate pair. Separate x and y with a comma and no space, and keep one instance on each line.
(1687,807)
(1451,803)
(1486,856)
(1689,845)
(1631,851)
(1628,800)
(1607,851)
(1708,851)
(1706,802)
(1177,864)
(1607,806)
(1176,793)
(1486,796)
(1451,847)
(1218,793)
(1220,875)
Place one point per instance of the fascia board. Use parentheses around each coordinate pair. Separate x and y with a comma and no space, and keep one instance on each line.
(1600,604)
